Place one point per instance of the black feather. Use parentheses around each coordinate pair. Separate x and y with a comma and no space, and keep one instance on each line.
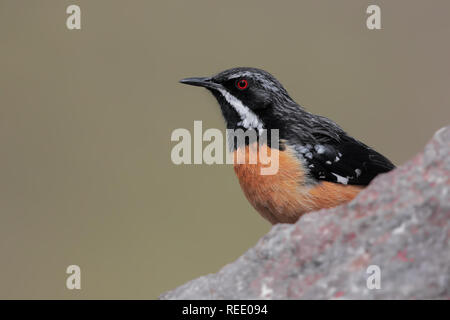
(348,162)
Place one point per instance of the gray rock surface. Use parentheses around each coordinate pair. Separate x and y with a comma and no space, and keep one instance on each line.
(400,223)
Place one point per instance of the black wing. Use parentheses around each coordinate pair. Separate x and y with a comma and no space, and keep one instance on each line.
(347,162)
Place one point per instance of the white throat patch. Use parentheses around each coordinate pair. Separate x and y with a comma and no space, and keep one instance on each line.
(249,119)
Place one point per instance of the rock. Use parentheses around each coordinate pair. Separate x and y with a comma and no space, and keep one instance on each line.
(400,223)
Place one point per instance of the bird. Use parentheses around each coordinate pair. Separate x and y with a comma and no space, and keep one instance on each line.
(320,165)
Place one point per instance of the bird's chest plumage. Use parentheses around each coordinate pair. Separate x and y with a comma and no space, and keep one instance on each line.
(284,196)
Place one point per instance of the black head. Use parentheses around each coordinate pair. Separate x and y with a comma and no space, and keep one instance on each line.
(247,97)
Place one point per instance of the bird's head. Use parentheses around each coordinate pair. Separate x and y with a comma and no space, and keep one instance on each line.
(248,97)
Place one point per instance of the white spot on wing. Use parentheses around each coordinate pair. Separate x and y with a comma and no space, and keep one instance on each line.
(319,148)
(340,179)
(303,149)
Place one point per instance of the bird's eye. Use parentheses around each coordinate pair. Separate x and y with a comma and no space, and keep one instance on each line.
(242,84)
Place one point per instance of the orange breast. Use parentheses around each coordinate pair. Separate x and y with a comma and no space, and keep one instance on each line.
(284,196)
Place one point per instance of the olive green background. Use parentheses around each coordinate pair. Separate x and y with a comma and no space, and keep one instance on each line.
(86,118)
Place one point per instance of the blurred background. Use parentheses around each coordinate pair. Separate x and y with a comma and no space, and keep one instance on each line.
(86,118)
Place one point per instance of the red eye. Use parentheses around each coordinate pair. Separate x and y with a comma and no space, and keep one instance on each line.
(242,84)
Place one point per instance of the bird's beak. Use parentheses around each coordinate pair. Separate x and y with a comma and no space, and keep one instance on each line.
(201,82)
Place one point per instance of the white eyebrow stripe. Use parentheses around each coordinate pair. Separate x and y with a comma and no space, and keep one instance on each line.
(249,119)
(242,74)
